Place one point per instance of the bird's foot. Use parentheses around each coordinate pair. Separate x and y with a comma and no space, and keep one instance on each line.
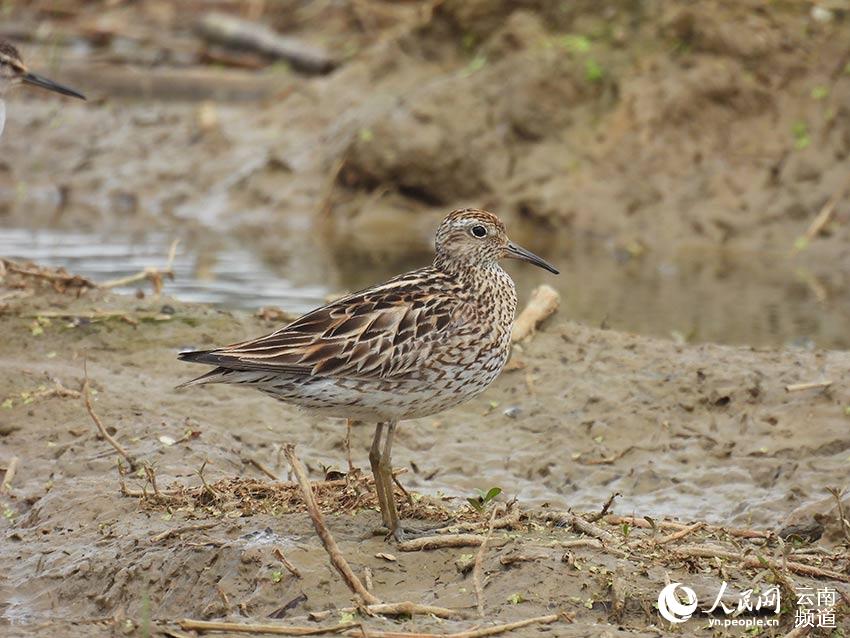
(403,533)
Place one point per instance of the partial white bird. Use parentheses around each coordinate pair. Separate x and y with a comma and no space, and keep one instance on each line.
(13,71)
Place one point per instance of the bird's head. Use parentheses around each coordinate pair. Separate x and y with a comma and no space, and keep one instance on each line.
(13,71)
(473,237)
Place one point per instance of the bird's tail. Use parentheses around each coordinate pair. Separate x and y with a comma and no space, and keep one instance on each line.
(216,375)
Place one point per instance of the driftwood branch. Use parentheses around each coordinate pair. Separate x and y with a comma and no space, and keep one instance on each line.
(543,304)
(235,32)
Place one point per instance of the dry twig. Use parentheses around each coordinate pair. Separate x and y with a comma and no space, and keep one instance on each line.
(257,464)
(405,608)
(437,542)
(106,435)
(480,632)
(710,551)
(337,559)
(479,560)
(813,385)
(568,519)
(250,628)
(823,218)
(680,534)
(154,275)
(278,553)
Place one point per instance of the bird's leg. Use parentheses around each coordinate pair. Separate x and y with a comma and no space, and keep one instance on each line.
(386,469)
(375,462)
(348,424)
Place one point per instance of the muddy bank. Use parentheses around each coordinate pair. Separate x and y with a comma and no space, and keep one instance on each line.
(703,433)
(646,124)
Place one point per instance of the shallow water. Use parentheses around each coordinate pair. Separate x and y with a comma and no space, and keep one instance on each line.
(711,297)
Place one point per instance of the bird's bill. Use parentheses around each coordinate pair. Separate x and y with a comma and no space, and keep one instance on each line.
(50,85)
(512,251)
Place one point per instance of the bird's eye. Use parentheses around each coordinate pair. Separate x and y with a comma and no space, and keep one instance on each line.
(479,231)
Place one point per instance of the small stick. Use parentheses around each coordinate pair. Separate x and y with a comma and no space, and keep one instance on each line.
(823,217)
(481,632)
(680,534)
(6,486)
(278,553)
(154,275)
(262,468)
(595,517)
(568,519)
(405,608)
(638,521)
(337,559)
(109,438)
(709,551)
(813,385)
(509,520)
(479,560)
(367,578)
(150,473)
(278,630)
(437,542)
(403,491)
(582,542)
(176,531)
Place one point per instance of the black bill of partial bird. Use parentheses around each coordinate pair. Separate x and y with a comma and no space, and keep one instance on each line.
(50,85)
(512,251)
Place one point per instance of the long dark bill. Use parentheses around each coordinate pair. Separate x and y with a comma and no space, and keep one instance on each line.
(50,85)
(518,252)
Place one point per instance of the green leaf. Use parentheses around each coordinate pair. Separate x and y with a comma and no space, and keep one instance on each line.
(492,493)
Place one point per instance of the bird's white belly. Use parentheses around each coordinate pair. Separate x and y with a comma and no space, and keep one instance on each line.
(382,400)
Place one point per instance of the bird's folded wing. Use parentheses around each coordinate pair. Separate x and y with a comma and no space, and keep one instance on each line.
(386,332)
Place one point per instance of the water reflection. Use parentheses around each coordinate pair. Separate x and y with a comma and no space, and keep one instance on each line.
(696,297)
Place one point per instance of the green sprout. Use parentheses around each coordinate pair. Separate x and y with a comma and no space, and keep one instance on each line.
(478,503)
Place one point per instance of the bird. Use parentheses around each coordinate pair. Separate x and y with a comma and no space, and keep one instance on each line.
(416,345)
(13,71)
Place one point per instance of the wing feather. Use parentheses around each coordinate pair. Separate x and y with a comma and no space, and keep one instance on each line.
(381,332)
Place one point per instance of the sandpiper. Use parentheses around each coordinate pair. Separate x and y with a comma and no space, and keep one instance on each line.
(418,344)
(13,71)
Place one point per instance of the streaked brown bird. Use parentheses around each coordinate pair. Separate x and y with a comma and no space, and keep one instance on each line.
(13,71)
(416,345)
